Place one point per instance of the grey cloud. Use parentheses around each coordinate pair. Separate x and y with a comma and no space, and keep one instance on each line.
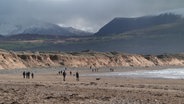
(86,14)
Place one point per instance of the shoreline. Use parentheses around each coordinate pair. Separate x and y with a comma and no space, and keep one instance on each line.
(101,69)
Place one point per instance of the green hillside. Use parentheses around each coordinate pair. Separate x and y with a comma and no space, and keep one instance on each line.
(176,28)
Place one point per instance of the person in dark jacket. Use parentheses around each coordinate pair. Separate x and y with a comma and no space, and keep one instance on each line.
(77,76)
(24,74)
(28,75)
(32,75)
(64,75)
(70,73)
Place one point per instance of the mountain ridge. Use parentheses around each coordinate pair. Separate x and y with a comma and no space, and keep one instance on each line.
(122,25)
(13,26)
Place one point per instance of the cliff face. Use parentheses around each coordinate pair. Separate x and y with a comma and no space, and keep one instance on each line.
(12,60)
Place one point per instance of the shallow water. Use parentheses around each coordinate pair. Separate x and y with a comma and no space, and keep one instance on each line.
(172,73)
(169,73)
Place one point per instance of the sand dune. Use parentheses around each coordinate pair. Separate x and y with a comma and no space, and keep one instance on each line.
(13,60)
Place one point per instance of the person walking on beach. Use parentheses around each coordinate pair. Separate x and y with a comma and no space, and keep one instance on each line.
(27,75)
(77,76)
(64,75)
(32,75)
(59,73)
(70,73)
(24,74)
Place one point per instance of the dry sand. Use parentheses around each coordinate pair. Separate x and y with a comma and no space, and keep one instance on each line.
(48,88)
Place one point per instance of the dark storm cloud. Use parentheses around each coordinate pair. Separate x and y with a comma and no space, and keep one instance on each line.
(85,14)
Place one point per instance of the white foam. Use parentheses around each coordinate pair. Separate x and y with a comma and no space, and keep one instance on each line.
(177,73)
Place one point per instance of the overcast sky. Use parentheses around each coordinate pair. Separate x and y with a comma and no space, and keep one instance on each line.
(87,15)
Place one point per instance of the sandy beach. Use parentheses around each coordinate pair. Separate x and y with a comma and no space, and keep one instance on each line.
(49,88)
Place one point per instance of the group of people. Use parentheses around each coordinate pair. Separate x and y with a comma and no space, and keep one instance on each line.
(28,75)
(96,69)
(64,75)
(111,69)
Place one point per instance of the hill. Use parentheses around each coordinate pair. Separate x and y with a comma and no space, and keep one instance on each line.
(164,29)
(122,25)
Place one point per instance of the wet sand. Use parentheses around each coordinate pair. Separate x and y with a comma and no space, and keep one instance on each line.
(49,88)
